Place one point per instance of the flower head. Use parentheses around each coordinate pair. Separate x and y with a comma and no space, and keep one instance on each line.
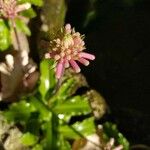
(67,49)
(9,9)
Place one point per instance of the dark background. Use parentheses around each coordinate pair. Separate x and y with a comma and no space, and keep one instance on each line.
(118,33)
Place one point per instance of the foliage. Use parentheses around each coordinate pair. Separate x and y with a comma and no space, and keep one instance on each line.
(46,116)
(4,35)
(110,130)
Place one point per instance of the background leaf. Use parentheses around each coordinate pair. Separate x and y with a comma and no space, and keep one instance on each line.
(29,13)
(4,36)
(19,112)
(110,130)
(34,2)
(20,25)
(29,139)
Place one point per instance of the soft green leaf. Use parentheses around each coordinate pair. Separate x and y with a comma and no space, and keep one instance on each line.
(64,92)
(76,105)
(29,139)
(4,36)
(110,130)
(45,113)
(79,129)
(20,25)
(47,78)
(37,147)
(19,112)
(63,144)
(34,2)
(33,120)
(29,13)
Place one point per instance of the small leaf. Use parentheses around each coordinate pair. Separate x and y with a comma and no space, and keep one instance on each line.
(79,129)
(34,2)
(19,112)
(4,36)
(37,2)
(37,147)
(63,144)
(64,91)
(76,105)
(20,25)
(29,139)
(29,13)
(110,130)
(47,78)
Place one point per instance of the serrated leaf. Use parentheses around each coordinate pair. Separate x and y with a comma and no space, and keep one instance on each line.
(29,139)
(20,25)
(76,105)
(110,130)
(4,36)
(19,112)
(64,91)
(47,78)
(78,129)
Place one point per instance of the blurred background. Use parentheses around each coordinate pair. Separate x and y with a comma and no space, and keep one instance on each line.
(118,33)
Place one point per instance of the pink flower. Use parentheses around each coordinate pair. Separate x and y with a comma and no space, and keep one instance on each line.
(9,8)
(67,50)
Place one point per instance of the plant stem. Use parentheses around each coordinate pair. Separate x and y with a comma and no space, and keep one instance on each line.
(16,35)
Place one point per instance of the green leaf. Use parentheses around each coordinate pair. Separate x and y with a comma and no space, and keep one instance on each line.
(110,130)
(19,112)
(20,25)
(64,92)
(79,129)
(76,105)
(47,78)
(34,2)
(63,144)
(37,147)
(45,113)
(29,139)
(4,36)
(29,13)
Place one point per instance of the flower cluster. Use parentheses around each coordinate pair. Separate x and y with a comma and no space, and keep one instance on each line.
(9,9)
(67,49)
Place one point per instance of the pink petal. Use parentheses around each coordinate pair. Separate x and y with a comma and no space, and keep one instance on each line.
(87,56)
(75,66)
(84,61)
(59,69)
